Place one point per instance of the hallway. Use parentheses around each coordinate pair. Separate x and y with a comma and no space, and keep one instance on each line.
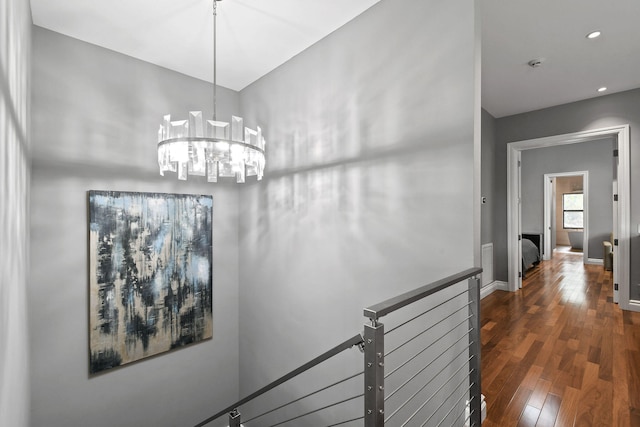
(559,352)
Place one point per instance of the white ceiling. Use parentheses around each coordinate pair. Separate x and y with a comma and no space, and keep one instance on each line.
(254,37)
(516,31)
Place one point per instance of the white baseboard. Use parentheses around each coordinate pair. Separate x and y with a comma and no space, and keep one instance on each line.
(483,410)
(487,290)
(502,286)
(595,261)
(493,286)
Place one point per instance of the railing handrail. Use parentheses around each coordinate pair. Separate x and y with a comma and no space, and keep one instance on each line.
(355,340)
(383,308)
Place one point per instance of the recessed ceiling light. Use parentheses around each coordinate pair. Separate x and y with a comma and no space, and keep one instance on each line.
(602,89)
(594,34)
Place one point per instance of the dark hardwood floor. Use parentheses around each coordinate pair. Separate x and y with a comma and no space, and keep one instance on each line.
(559,352)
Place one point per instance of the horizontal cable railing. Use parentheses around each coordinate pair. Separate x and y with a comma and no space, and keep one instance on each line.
(430,376)
(433,374)
(233,409)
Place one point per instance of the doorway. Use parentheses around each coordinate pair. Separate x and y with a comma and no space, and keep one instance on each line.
(562,222)
(622,205)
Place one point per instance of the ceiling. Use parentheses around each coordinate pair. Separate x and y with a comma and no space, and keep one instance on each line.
(254,37)
(517,31)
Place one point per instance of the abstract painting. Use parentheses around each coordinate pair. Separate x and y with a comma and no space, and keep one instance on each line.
(150,279)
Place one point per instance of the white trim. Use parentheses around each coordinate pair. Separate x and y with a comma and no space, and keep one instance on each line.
(594,261)
(616,292)
(486,262)
(501,286)
(487,290)
(624,221)
(514,247)
(548,221)
(483,411)
(496,285)
(624,200)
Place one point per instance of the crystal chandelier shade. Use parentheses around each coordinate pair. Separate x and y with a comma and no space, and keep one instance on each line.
(210,148)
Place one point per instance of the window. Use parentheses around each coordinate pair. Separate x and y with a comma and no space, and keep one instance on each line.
(573,210)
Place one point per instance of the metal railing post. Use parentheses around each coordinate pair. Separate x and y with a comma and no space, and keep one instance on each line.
(374,374)
(234,418)
(475,404)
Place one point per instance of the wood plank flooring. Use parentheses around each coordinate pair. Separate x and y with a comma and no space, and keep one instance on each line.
(558,352)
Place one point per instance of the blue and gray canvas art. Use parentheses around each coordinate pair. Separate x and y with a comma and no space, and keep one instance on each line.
(150,274)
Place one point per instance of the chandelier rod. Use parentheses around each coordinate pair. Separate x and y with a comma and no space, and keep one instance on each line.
(211,148)
(215,14)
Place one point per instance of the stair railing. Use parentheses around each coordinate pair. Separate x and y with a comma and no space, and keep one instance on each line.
(232,410)
(462,404)
(448,316)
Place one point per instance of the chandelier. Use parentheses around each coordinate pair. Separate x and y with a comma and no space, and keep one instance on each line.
(210,148)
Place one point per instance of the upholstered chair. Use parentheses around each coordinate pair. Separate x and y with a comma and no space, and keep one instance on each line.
(608,253)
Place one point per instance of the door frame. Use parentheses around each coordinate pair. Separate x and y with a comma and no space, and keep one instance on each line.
(623,226)
(548,251)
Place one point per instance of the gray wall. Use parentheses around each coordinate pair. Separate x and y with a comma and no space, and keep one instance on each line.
(595,157)
(370,179)
(488,175)
(95,119)
(15,170)
(610,110)
(369,193)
